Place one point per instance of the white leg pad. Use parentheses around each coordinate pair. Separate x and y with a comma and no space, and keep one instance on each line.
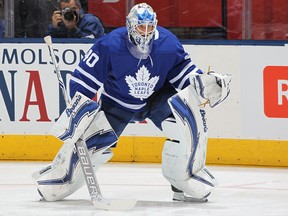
(64,182)
(64,175)
(184,153)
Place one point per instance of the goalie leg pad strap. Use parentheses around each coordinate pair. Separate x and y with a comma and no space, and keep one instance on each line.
(64,175)
(184,154)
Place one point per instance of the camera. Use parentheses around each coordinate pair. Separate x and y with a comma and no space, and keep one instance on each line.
(68,14)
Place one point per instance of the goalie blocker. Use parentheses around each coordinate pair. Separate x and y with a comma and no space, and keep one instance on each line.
(64,175)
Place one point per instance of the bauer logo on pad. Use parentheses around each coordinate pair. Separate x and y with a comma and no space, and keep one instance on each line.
(275,82)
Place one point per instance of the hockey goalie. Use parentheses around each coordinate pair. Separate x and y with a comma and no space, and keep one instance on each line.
(143,72)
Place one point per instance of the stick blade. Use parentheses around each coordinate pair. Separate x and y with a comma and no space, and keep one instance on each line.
(114,204)
(48,40)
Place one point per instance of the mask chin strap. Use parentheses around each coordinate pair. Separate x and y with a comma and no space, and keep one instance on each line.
(143,48)
(135,50)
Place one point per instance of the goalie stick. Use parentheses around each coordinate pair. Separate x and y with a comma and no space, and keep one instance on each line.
(85,161)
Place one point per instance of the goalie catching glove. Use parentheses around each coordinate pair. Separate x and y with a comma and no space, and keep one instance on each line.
(212,86)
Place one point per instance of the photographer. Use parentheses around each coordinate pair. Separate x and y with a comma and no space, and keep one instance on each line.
(70,21)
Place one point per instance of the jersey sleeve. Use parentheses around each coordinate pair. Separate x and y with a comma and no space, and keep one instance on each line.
(91,72)
(179,74)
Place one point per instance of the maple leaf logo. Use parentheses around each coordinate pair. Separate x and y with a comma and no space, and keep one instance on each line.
(142,86)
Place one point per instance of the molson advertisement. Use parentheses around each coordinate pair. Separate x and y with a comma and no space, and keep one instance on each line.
(30,99)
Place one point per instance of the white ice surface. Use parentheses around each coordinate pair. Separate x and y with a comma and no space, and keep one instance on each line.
(248,191)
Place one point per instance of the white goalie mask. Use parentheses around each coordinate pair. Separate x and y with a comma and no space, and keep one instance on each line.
(141,24)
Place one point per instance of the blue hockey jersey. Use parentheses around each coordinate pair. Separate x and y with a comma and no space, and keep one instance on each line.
(128,81)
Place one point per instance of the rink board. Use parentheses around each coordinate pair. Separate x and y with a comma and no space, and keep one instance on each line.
(249,128)
(148,149)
